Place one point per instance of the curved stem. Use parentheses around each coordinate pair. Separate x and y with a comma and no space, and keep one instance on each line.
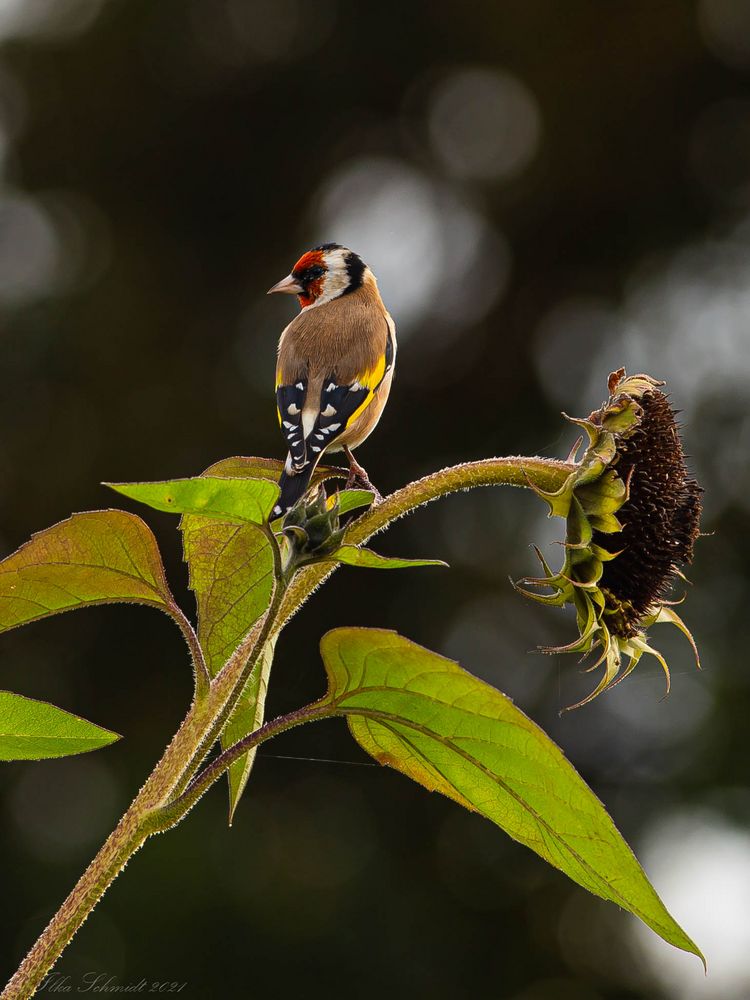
(168,778)
(541,473)
(544,473)
(200,669)
(172,813)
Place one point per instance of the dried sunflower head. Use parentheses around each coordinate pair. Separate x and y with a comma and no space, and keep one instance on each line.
(633,516)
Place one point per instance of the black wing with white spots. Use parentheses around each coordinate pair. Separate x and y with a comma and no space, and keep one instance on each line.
(337,407)
(338,404)
(290,400)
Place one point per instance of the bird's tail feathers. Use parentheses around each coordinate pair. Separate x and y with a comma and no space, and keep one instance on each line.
(292,488)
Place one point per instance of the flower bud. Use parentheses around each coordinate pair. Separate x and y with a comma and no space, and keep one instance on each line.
(312,530)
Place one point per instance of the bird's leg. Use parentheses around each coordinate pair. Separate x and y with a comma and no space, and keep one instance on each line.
(358,476)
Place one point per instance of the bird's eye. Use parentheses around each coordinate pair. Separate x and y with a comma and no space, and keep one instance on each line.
(313,272)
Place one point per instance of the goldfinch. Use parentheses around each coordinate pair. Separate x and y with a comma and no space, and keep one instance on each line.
(335,365)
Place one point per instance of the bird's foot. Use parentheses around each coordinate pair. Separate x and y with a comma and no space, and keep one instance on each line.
(362,482)
(358,478)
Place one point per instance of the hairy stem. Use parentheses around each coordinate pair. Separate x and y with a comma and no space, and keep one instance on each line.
(544,473)
(250,658)
(169,815)
(172,787)
(201,675)
(183,755)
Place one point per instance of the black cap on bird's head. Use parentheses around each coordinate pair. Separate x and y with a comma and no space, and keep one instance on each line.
(326,272)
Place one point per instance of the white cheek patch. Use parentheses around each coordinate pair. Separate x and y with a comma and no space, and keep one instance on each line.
(336,280)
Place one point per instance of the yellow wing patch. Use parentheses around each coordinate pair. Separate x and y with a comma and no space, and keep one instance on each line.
(370,380)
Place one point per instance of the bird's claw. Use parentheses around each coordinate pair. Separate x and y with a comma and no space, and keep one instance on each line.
(358,479)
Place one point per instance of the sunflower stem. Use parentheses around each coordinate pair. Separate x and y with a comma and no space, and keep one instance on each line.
(183,756)
(533,473)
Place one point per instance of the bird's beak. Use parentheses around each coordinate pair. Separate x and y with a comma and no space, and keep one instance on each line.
(290,285)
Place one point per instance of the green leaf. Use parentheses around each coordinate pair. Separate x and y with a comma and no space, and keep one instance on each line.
(205,543)
(246,718)
(237,500)
(353,555)
(230,601)
(353,499)
(34,730)
(93,558)
(212,550)
(232,575)
(239,467)
(423,715)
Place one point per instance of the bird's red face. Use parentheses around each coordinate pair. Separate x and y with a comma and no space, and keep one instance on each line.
(322,274)
(310,271)
(307,279)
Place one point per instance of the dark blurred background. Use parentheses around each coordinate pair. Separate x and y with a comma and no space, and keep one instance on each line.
(546,192)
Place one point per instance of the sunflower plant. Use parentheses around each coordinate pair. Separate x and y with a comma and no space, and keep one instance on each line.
(632,515)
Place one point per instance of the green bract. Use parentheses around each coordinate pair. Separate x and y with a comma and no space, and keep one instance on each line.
(632,514)
(312,531)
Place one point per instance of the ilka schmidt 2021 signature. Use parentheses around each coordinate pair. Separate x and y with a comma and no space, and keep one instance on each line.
(100,982)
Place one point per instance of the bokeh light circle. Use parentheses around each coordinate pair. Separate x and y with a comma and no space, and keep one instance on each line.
(435,255)
(484,124)
(701,864)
